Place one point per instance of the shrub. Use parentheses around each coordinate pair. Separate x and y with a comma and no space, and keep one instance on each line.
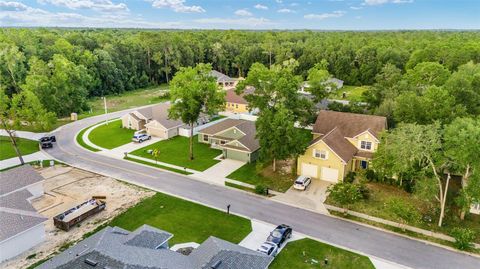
(261,189)
(345,193)
(364,190)
(371,175)
(350,177)
(463,238)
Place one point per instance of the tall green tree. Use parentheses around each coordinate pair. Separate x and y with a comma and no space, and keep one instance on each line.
(193,92)
(22,108)
(12,67)
(318,85)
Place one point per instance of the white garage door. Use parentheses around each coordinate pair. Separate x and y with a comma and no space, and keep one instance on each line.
(309,170)
(329,174)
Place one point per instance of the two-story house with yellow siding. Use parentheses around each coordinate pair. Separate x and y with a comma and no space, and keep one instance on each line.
(236,103)
(342,142)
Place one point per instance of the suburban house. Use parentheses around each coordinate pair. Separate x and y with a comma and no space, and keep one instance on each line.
(155,121)
(236,138)
(223,80)
(335,82)
(21,226)
(147,248)
(342,142)
(235,102)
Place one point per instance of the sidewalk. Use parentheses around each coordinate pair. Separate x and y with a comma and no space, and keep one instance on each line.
(24,134)
(39,155)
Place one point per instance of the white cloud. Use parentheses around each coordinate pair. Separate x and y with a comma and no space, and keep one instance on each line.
(260,6)
(12,6)
(279,1)
(243,13)
(232,22)
(98,5)
(27,16)
(285,10)
(355,8)
(335,14)
(177,6)
(294,4)
(381,2)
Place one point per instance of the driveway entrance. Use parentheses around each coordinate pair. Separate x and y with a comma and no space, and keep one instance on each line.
(312,198)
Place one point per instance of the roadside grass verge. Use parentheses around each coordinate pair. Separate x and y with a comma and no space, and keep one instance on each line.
(240,187)
(277,181)
(157,166)
(308,253)
(187,221)
(26,146)
(175,151)
(82,143)
(111,135)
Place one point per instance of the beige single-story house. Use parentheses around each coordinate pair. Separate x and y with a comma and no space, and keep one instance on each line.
(236,139)
(154,120)
(342,142)
(223,80)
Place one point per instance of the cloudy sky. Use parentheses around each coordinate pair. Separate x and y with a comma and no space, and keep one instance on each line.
(245,14)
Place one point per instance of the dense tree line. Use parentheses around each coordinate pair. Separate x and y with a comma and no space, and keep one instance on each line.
(65,67)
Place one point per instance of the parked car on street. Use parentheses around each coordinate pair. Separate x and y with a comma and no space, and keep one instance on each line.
(47,141)
(268,248)
(302,182)
(139,138)
(280,234)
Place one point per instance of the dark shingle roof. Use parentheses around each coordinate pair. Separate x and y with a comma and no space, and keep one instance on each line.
(221,77)
(110,247)
(350,124)
(148,237)
(249,140)
(339,144)
(13,222)
(17,178)
(159,113)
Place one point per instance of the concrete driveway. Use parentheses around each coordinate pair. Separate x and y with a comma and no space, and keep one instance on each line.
(260,231)
(217,174)
(312,198)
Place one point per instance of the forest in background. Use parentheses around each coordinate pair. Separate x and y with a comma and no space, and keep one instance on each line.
(64,67)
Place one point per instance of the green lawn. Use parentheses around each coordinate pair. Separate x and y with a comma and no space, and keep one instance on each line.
(307,253)
(354,93)
(82,143)
(175,151)
(111,135)
(187,221)
(26,147)
(157,165)
(277,181)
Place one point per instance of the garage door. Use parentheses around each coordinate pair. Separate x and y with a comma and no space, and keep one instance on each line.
(309,170)
(329,174)
(157,132)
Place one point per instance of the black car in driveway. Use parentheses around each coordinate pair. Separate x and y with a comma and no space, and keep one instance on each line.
(280,234)
(46,141)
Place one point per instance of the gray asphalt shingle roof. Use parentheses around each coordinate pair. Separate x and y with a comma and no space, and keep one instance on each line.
(159,113)
(17,178)
(111,249)
(249,140)
(221,77)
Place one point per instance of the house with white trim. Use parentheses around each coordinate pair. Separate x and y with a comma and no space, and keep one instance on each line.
(341,142)
(21,226)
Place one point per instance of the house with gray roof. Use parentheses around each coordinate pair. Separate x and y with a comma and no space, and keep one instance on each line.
(223,80)
(21,226)
(236,138)
(147,248)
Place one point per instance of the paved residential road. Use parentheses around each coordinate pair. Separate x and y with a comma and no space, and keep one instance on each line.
(366,240)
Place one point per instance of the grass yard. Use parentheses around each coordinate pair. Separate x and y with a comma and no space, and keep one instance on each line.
(157,166)
(307,253)
(277,181)
(381,194)
(82,143)
(187,221)
(354,93)
(111,135)
(176,151)
(26,147)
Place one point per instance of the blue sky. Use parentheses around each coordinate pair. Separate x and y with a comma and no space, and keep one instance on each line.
(245,14)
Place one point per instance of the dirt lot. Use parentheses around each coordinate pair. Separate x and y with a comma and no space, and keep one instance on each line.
(66,187)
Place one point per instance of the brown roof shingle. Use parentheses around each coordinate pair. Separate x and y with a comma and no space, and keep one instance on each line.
(232,97)
(350,124)
(337,142)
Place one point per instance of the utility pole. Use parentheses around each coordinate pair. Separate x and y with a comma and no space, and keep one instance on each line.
(105,106)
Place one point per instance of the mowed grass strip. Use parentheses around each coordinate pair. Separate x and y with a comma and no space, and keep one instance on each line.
(157,166)
(111,135)
(176,151)
(187,221)
(307,253)
(25,146)
(82,143)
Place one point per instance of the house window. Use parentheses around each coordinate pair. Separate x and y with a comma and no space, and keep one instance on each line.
(205,138)
(234,131)
(236,105)
(364,164)
(222,142)
(366,145)
(320,154)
